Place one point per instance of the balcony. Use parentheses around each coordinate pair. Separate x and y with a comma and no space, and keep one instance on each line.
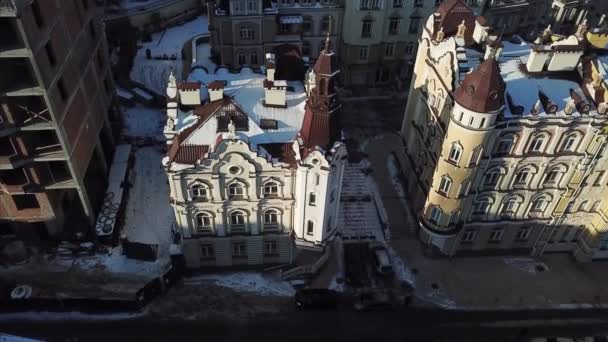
(27,147)
(24,113)
(11,44)
(18,78)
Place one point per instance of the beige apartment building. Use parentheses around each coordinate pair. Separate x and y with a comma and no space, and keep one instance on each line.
(506,140)
(56,91)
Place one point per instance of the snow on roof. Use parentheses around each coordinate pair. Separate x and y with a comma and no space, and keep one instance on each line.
(247,90)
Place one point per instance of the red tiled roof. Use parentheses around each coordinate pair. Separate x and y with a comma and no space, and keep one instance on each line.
(189,154)
(215,85)
(283,151)
(188,86)
(326,64)
(451,15)
(483,89)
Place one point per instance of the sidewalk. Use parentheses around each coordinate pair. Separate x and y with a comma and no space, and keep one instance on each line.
(509,283)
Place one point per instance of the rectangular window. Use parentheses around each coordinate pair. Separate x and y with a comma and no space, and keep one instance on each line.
(366,28)
(23,202)
(397,3)
(523,234)
(269,124)
(50,54)
(409,49)
(369,4)
(418,3)
(464,188)
(310,228)
(246,33)
(317,179)
(468,236)
(598,179)
(270,248)
(393,26)
(207,252)
(239,250)
(252,5)
(312,199)
(363,52)
(496,235)
(63,92)
(414,24)
(389,50)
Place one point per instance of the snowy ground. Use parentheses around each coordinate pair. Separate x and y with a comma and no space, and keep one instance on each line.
(528,265)
(153,73)
(141,121)
(264,285)
(393,169)
(139,3)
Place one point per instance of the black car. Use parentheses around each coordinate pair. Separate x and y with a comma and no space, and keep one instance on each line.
(322,299)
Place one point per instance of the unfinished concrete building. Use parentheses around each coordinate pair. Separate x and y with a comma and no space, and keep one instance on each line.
(56,90)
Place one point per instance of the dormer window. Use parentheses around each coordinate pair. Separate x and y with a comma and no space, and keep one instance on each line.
(269,124)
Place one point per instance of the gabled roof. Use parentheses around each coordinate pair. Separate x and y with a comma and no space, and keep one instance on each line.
(483,89)
(451,14)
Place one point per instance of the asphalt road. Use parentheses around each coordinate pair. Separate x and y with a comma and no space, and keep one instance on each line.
(406,325)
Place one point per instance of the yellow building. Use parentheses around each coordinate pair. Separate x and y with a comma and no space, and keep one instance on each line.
(505,140)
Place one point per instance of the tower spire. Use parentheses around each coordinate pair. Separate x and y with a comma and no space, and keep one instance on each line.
(327,39)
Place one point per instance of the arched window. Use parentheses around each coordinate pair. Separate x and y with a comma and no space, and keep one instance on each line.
(238,221)
(203,223)
(510,205)
(504,146)
(242,58)
(570,143)
(596,206)
(464,188)
(436,214)
(253,58)
(271,219)
(552,177)
(454,217)
(235,191)
(199,192)
(475,155)
(583,206)
(538,144)
(492,177)
(271,189)
(455,153)
(444,185)
(539,204)
(522,177)
(481,206)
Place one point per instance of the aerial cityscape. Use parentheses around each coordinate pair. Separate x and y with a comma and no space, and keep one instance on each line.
(410,170)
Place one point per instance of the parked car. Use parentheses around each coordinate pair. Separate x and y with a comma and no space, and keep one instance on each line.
(382,260)
(322,299)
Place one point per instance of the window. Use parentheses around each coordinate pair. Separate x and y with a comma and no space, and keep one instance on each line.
(202,223)
(310,228)
(481,206)
(50,54)
(246,33)
(468,236)
(207,252)
(521,178)
(242,59)
(596,206)
(583,206)
(63,92)
(369,4)
(317,179)
(326,24)
(269,124)
(199,192)
(537,144)
(389,50)
(271,189)
(569,143)
(363,53)
(418,3)
(271,219)
(471,120)
(598,179)
(414,23)
(252,5)
(237,221)
(366,28)
(482,122)
(445,185)
(270,248)
(538,205)
(455,153)
(552,177)
(397,3)
(496,235)
(464,188)
(491,178)
(253,58)
(307,24)
(235,191)
(454,217)
(504,146)
(523,234)
(23,202)
(393,26)
(475,155)
(436,214)
(239,250)
(510,206)
(312,199)
(409,49)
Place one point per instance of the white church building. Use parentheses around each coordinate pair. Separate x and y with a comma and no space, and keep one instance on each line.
(253,163)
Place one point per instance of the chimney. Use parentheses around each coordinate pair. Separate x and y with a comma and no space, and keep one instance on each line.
(462,30)
(216,90)
(440,35)
(493,49)
(270,66)
(539,56)
(275,93)
(189,93)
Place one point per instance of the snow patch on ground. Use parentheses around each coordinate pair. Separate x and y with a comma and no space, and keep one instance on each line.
(402,272)
(143,121)
(154,74)
(45,316)
(246,282)
(203,54)
(393,169)
(334,285)
(528,265)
